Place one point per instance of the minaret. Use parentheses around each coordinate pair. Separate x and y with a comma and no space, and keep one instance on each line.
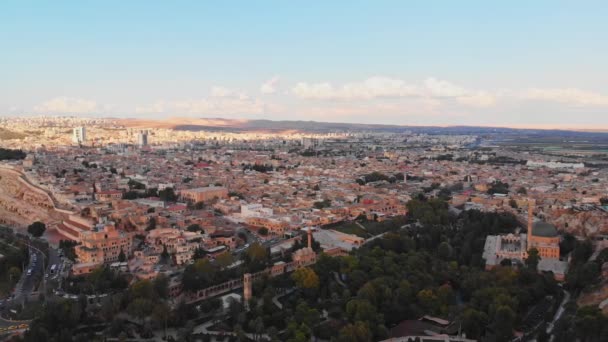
(246,288)
(310,237)
(531,203)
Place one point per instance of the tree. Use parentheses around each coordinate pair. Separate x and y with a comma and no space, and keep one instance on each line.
(474,323)
(533,258)
(257,326)
(8,154)
(304,314)
(161,315)
(590,324)
(67,246)
(14,273)
(167,195)
(428,300)
(194,228)
(142,289)
(322,204)
(36,229)
(135,185)
(165,254)
(263,231)
(357,332)
(160,285)
(503,323)
(151,224)
(506,262)
(543,336)
(444,251)
(140,308)
(225,259)
(361,310)
(256,258)
(199,253)
(305,278)
(130,195)
(498,187)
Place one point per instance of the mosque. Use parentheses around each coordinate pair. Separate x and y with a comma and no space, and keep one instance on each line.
(541,235)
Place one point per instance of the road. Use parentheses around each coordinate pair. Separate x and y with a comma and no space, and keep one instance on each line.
(7,326)
(558,314)
(39,265)
(30,285)
(249,239)
(12,326)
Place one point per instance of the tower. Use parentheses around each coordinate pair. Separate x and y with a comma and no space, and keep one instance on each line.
(79,135)
(531,204)
(309,237)
(247,291)
(142,138)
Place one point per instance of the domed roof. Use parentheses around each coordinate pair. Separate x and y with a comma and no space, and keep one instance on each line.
(544,229)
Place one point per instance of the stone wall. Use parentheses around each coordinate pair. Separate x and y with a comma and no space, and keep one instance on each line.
(21,203)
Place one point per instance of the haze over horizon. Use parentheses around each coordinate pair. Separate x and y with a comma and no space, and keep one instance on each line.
(474,63)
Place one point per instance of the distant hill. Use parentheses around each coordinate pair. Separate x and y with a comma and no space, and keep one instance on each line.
(250,125)
(244,125)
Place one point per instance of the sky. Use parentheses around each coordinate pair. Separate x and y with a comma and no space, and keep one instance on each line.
(491,63)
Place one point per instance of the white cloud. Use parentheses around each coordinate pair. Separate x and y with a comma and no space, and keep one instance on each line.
(68,105)
(270,86)
(228,106)
(441,88)
(385,87)
(478,99)
(219,91)
(571,96)
(208,106)
(374,87)
(221,102)
(155,108)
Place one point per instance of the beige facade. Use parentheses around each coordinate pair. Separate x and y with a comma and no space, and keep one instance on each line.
(103,246)
(204,194)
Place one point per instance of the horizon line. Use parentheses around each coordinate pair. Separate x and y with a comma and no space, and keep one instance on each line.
(566,127)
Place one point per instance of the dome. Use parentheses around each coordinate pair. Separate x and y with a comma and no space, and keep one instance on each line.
(544,229)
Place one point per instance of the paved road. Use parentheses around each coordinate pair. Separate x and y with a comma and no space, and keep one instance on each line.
(559,313)
(250,238)
(603,304)
(11,327)
(276,298)
(32,275)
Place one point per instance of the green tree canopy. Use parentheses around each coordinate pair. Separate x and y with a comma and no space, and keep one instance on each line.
(36,229)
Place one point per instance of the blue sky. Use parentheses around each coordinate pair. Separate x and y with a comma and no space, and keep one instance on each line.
(518,63)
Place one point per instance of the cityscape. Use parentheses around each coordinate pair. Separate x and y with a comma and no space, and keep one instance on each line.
(309,211)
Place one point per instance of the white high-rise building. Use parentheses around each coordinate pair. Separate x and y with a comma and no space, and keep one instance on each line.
(142,138)
(79,135)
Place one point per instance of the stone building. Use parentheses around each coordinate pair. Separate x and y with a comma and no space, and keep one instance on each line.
(103,245)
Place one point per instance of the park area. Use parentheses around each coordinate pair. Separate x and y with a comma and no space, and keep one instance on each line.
(367,229)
